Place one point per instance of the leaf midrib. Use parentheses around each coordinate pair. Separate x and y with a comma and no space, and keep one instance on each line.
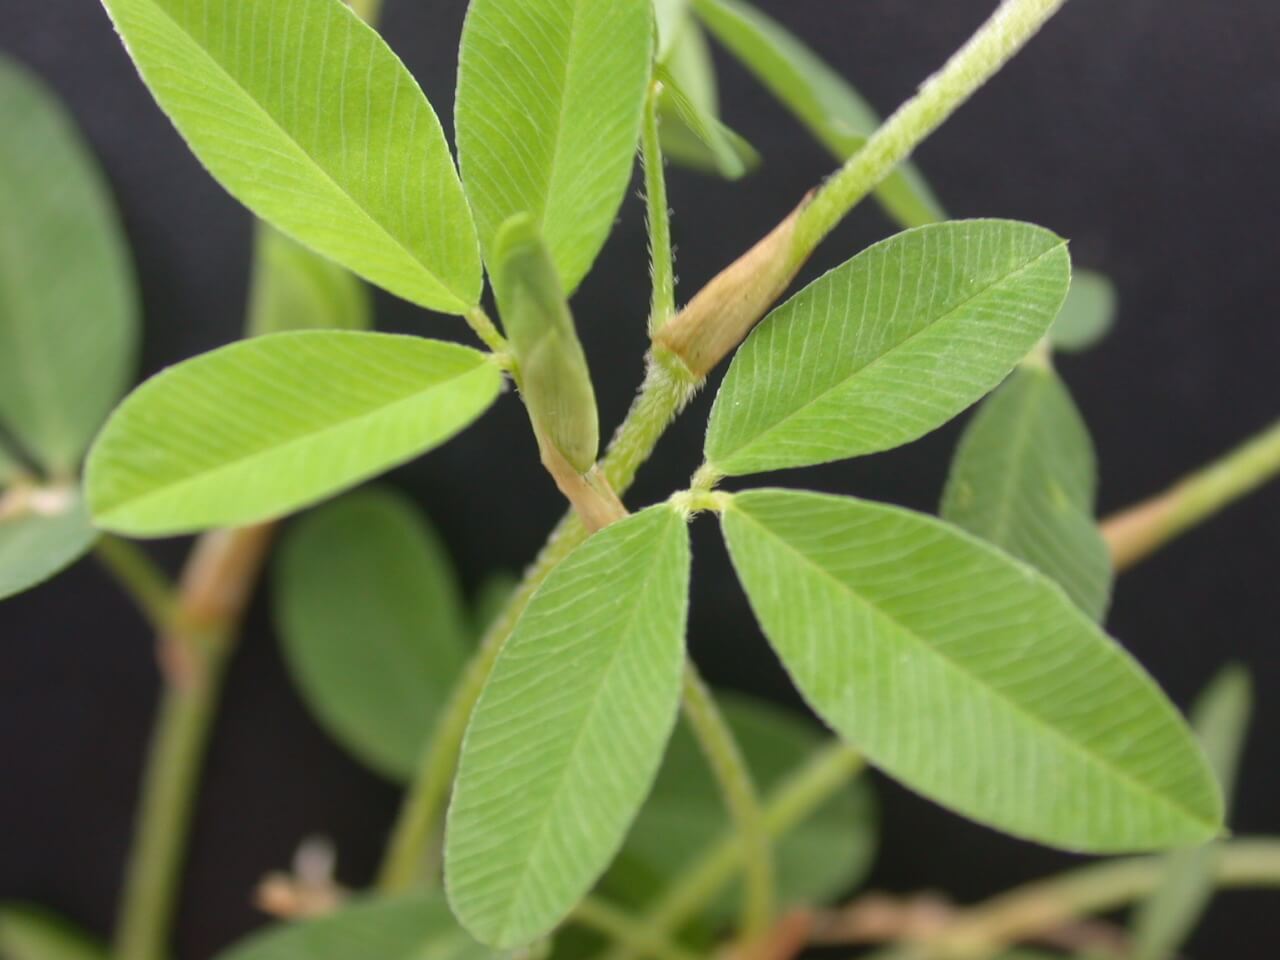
(1075,747)
(465,302)
(878,358)
(269,451)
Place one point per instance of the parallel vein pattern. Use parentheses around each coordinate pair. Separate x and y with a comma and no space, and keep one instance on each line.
(305,115)
(567,737)
(550,98)
(1024,478)
(265,426)
(889,346)
(967,676)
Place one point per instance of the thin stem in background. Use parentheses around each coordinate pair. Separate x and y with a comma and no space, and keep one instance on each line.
(740,797)
(662,262)
(1137,532)
(145,583)
(668,387)
(621,927)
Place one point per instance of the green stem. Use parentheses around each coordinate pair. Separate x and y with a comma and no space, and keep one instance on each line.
(622,928)
(1002,36)
(140,578)
(794,801)
(1139,531)
(486,330)
(1098,888)
(663,306)
(740,797)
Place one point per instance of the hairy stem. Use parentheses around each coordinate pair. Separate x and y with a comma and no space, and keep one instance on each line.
(621,928)
(663,305)
(1135,533)
(139,577)
(216,585)
(740,797)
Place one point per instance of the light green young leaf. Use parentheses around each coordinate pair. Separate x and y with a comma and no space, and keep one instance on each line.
(1024,478)
(889,346)
(32,933)
(68,308)
(266,426)
(568,735)
(1088,314)
(413,927)
(550,100)
(304,115)
(1161,923)
(670,16)
(39,541)
(554,377)
(968,676)
(294,289)
(822,858)
(373,626)
(820,98)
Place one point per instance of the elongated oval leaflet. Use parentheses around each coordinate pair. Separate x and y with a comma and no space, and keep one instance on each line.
(68,307)
(889,346)
(266,426)
(37,543)
(968,676)
(550,100)
(295,289)
(567,737)
(412,927)
(1024,478)
(1088,314)
(304,115)
(554,377)
(371,618)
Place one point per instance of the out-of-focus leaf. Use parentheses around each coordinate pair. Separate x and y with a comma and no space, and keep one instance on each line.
(822,858)
(888,346)
(39,541)
(670,17)
(414,927)
(819,97)
(568,735)
(1163,921)
(373,625)
(266,426)
(10,468)
(1088,314)
(550,100)
(968,676)
(295,289)
(32,933)
(1024,478)
(307,117)
(68,308)
(491,600)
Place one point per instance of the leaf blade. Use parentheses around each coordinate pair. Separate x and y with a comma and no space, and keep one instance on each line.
(888,346)
(968,676)
(295,289)
(1024,478)
(37,544)
(369,183)
(241,434)
(550,100)
(552,773)
(32,933)
(68,304)
(1088,314)
(371,619)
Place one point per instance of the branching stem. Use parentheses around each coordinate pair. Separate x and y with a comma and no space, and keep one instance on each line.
(146,584)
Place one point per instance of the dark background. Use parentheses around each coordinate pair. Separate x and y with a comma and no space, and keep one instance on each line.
(1144,130)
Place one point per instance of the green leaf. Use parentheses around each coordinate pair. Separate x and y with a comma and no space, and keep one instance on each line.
(41,539)
(491,601)
(10,468)
(1088,314)
(303,113)
(671,18)
(68,307)
(968,676)
(550,100)
(567,737)
(266,426)
(294,289)
(821,99)
(553,377)
(821,859)
(373,626)
(1161,923)
(33,933)
(413,927)
(889,346)
(1024,478)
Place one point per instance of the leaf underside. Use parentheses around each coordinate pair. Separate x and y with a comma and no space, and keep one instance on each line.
(968,676)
